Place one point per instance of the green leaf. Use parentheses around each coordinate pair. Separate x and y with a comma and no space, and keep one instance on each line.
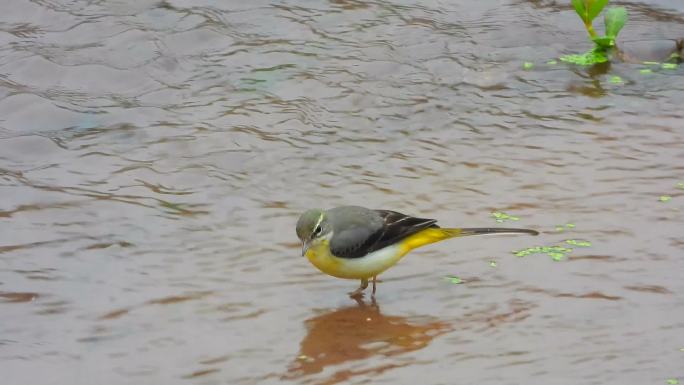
(614,20)
(580,9)
(604,42)
(595,7)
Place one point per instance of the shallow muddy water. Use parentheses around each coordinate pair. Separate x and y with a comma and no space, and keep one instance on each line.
(155,156)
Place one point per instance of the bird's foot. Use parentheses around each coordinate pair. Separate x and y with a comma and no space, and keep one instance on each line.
(358,293)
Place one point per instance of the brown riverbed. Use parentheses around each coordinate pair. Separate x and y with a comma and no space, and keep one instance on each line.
(154,157)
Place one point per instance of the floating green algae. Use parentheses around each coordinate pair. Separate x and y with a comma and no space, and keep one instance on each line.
(528,65)
(503,217)
(492,263)
(680,185)
(616,80)
(591,57)
(669,66)
(454,279)
(560,228)
(556,253)
(672,381)
(665,198)
(645,71)
(578,243)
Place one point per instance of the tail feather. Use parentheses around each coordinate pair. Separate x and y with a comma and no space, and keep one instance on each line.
(493,230)
(436,234)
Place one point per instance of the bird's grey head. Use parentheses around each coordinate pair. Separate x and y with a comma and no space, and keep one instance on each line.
(312,224)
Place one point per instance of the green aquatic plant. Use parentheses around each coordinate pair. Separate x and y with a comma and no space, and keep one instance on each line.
(657,65)
(556,253)
(614,19)
(503,217)
(492,263)
(454,279)
(564,227)
(594,56)
(665,198)
(672,381)
(578,243)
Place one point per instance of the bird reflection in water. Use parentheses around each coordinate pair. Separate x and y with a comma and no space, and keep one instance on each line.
(361,332)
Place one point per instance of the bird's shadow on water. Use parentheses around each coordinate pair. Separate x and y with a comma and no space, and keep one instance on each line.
(360,332)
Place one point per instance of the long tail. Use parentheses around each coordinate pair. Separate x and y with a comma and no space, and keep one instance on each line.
(493,230)
(436,234)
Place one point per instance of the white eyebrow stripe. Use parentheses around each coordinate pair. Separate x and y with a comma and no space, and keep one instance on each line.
(320,219)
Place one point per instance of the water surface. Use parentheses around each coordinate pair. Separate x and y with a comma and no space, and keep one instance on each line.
(155,155)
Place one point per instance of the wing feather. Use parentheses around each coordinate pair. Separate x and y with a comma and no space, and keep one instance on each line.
(358,241)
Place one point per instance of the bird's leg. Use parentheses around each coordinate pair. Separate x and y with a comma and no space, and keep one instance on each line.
(375,278)
(359,292)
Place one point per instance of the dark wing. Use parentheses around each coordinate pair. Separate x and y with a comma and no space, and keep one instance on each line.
(356,242)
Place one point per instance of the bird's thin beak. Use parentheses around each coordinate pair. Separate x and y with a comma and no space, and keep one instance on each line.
(305,247)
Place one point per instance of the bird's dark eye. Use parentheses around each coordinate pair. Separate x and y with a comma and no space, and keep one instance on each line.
(317,230)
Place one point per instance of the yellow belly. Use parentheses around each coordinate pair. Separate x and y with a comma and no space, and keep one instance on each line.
(354,268)
(376,262)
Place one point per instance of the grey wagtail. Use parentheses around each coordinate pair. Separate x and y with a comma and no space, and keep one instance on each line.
(354,242)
